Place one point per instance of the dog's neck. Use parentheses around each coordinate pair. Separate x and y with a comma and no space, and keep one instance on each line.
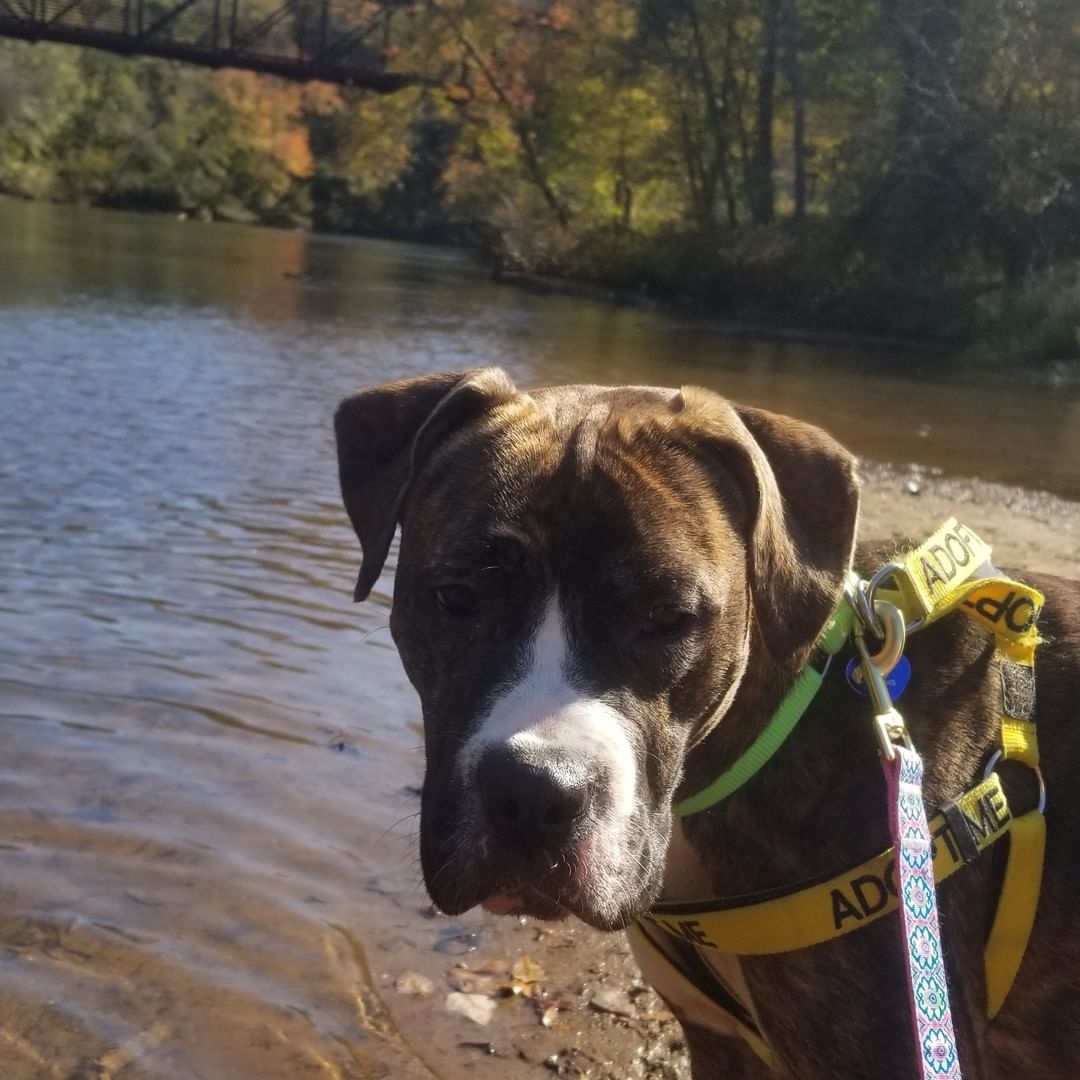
(819,803)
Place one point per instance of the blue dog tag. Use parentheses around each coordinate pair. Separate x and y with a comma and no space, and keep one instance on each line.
(896,682)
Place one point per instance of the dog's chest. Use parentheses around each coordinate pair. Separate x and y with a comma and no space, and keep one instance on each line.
(701,986)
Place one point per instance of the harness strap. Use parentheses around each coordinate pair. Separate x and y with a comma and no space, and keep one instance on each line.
(1019,741)
(1019,896)
(1016,908)
(1019,736)
(952,572)
(952,556)
(810,912)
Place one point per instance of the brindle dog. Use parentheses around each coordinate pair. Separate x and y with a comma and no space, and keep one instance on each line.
(590,576)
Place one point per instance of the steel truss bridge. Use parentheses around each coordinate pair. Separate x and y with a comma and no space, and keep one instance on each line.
(340,41)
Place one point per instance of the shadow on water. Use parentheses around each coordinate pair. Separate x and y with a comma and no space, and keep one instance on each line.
(207,791)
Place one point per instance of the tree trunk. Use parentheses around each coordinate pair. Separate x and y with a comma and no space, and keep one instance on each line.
(762,194)
(793,64)
(714,114)
(728,188)
(624,194)
(732,108)
(927,38)
(692,161)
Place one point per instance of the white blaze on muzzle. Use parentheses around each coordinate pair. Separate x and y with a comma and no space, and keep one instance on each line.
(543,717)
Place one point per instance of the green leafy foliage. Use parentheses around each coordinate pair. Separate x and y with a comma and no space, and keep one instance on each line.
(895,166)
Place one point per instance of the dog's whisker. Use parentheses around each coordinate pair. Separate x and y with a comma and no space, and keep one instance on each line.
(400,821)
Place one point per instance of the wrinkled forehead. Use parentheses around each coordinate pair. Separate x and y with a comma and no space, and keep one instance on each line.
(598,475)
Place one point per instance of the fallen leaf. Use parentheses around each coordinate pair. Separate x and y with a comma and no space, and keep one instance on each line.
(527,970)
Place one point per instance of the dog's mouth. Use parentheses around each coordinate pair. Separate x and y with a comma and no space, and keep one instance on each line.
(525,900)
(547,885)
(574,886)
(606,897)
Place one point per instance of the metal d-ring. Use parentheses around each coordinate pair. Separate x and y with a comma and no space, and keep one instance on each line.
(858,594)
(997,755)
(866,601)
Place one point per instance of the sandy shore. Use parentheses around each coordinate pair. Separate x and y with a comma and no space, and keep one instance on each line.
(1028,529)
(587,1014)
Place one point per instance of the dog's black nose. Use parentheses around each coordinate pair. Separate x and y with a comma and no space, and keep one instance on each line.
(528,804)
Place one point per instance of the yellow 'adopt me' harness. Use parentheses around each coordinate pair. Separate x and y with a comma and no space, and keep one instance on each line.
(950,572)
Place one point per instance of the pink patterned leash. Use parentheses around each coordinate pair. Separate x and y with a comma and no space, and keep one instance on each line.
(928,993)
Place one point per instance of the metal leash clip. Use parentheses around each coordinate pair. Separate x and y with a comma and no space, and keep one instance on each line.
(888,723)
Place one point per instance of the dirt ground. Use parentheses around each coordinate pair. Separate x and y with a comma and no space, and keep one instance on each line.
(578,1008)
(1028,529)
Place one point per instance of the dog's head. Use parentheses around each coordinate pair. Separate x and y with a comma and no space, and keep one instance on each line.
(584,575)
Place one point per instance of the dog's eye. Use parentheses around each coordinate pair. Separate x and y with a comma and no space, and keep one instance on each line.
(456,599)
(666,619)
(509,553)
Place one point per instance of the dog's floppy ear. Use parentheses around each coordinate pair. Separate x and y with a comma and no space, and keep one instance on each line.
(802,495)
(384,433)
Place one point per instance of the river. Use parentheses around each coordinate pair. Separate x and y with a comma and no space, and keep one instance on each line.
(210,756)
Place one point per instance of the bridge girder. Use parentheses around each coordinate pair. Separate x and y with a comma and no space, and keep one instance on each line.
(299,39)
